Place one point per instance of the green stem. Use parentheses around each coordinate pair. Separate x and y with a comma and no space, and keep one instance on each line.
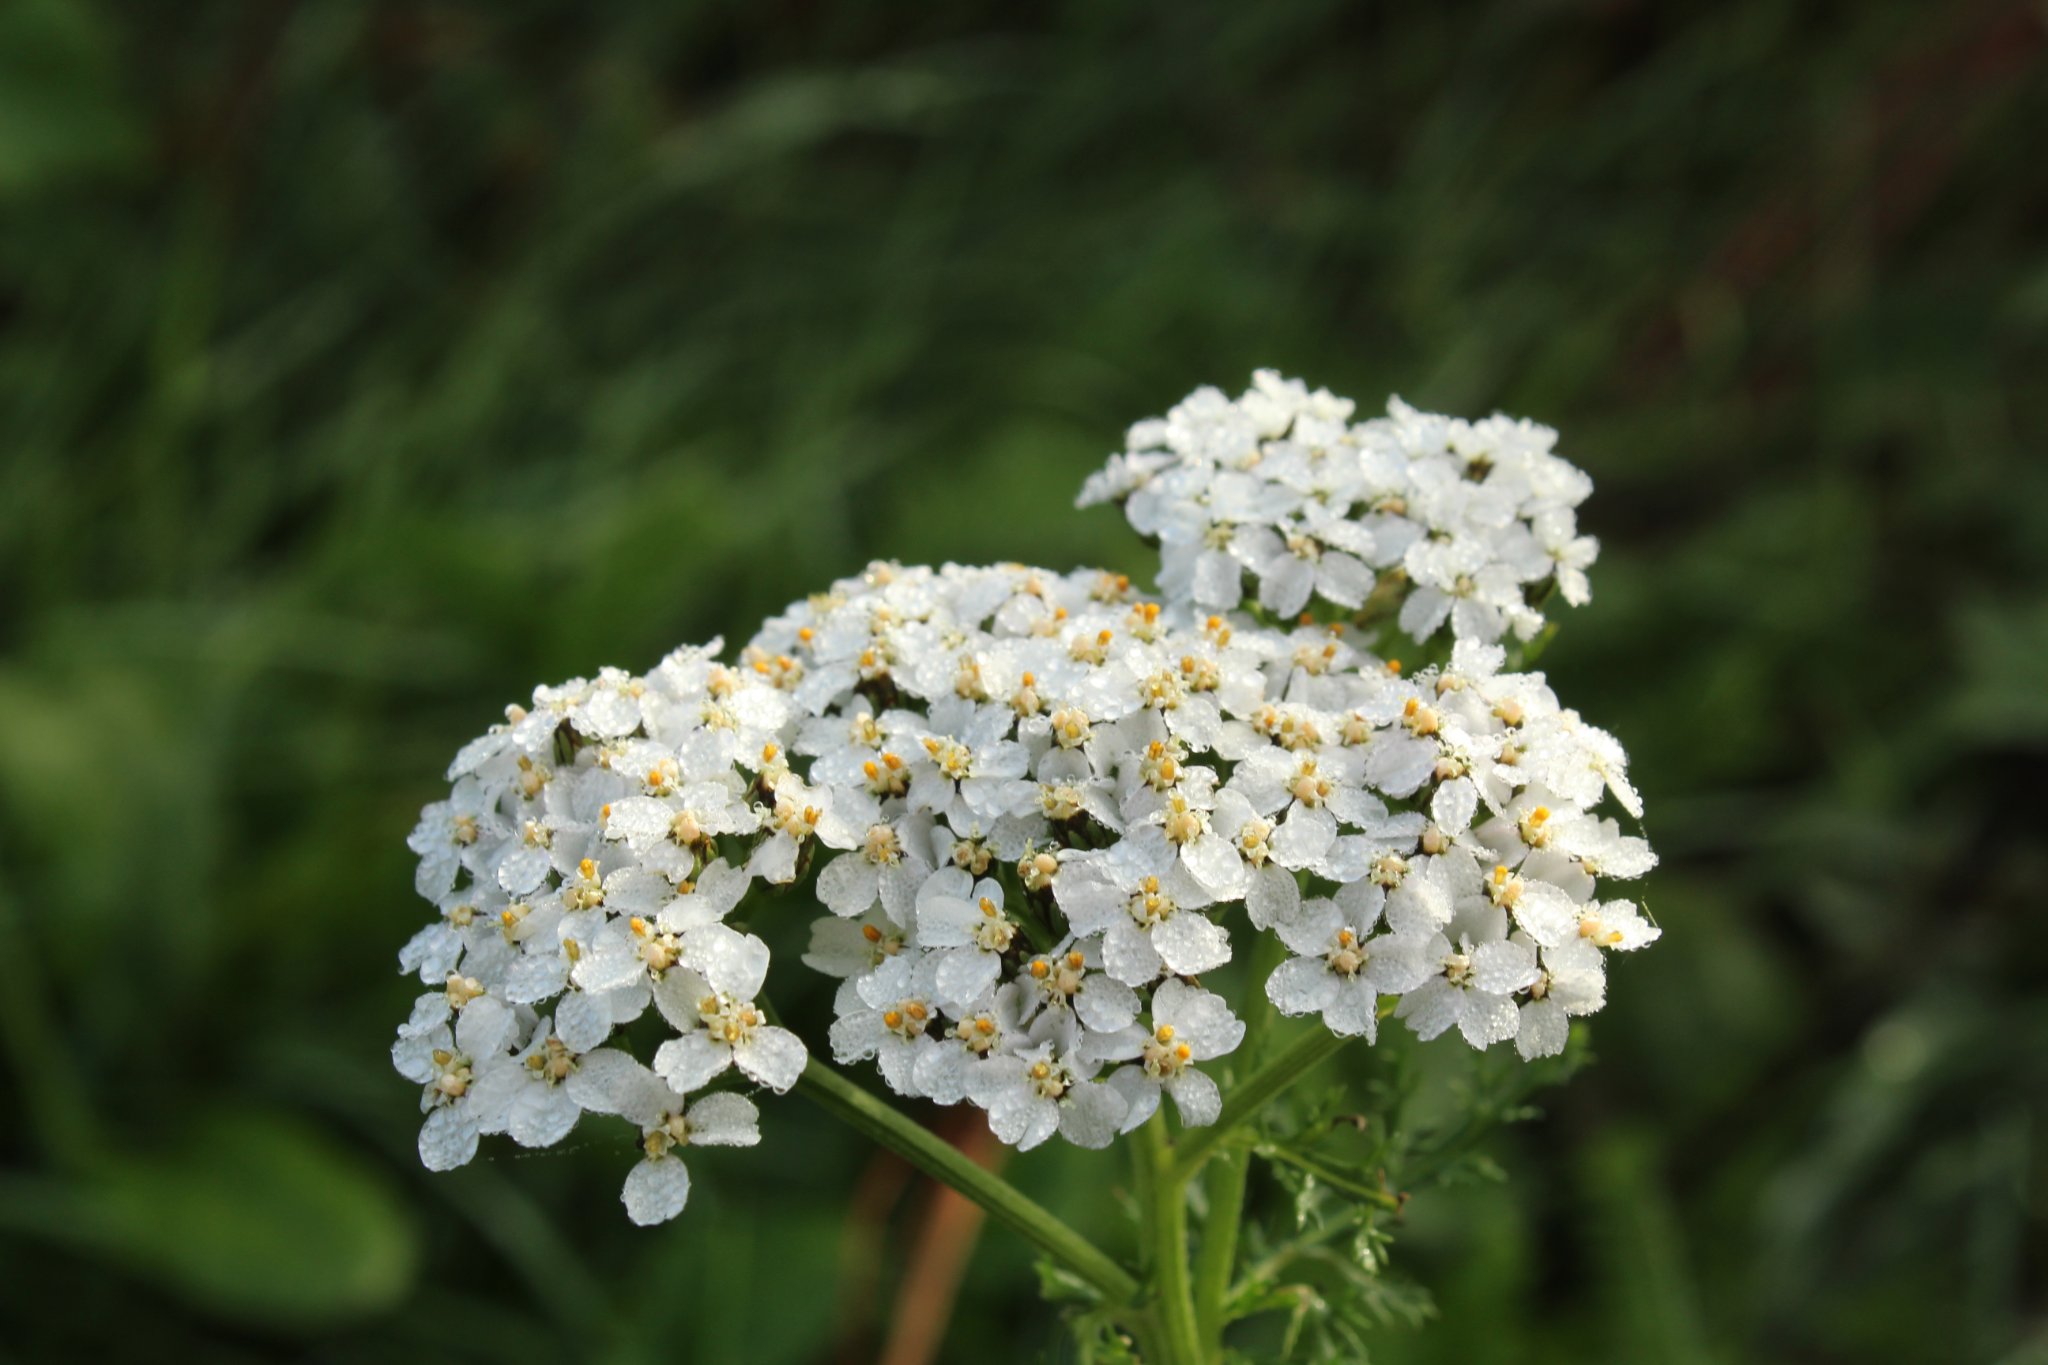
(943,1162)
(1224,1183)
(1164,1212)
(1245,1101)
(1334,1179)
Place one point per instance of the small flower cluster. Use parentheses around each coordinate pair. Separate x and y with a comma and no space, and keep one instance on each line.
(1444,519)
(1034,806)
(583,866)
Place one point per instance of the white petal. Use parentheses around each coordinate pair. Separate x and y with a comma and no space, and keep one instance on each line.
(677,993)
(1274,897)
(1504,967)
(582,1021)
(1128,954)
(773,1056)
(1301,985)
(535,977)
(848,885)
(1361,903)
(1487,1018)
(1304,836)
(731,961)
(1023,1119)
(945,1073)
(447,1139)
(724,1120)
(608,967)
(1140,1093)
(1105,1004)
(1190,943)
(1343,579)
(492,1093)
(1091,1113)
(1214,862)
(1201,1017)
(656,1191)
(1285,584)
(610,1082)
(431,953)
(541,1115)
(775,860)
(1197,1098)
(944,922)
(1219,581)
(523,869)
(1310,931)
(483,1025)
(1547,914)
(1430,1008)
(964,973)
(1543,1030)
(898,887)
(1453,804)
(689,1062)
(1353,1010)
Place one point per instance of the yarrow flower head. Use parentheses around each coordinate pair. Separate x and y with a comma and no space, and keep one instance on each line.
(1279,496)
(1035,810)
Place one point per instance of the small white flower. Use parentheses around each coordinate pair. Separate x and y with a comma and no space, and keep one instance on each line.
(1189,1025)
(610,1082)
(524,1093)
(1147,907)
(851,948)
(799,812)
(1070,979)
(1342,970)
(452,835)
(885,866)
(961,921)
(1043,1090)
(711,998)
(1573,981)
(892,1016)
(945,1071)
(1470,987)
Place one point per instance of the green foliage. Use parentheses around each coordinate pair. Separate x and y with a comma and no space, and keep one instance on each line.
(1343,1158)
(249,1216)
(361,365)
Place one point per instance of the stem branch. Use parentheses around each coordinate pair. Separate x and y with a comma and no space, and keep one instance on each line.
(1245,1101)
(945,1163)
(1224,1184)
(1165,1215)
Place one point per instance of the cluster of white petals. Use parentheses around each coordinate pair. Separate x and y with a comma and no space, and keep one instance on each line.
(1470,523)
(1035,809)
(583,865)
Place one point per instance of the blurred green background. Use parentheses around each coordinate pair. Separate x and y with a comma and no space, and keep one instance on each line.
(363,364)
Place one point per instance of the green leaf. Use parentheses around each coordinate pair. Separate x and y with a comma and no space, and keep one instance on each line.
(1057,1284)
(250,1215)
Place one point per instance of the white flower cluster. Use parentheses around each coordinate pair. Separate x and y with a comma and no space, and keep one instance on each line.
(1034,806)
(583,865)
(1465,522)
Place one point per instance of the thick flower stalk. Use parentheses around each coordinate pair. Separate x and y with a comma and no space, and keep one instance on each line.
(1033,810)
